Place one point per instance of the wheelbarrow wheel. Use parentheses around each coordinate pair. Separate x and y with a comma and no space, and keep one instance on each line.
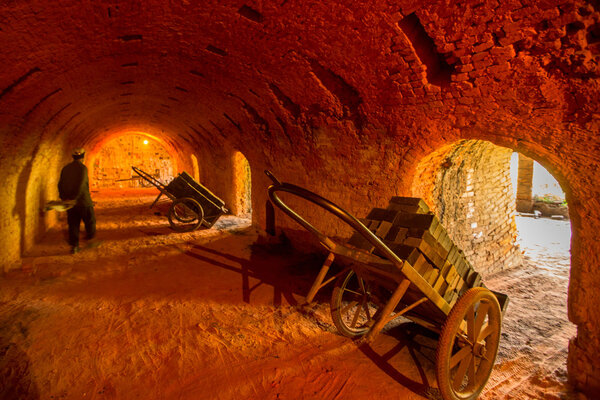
(185,214)
(353,305)
(468,345)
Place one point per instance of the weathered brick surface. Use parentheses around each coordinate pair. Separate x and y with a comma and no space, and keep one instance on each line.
(468,186)
(111,166)
(330,94)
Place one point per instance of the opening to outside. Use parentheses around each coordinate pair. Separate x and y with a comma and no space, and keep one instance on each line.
(469,185)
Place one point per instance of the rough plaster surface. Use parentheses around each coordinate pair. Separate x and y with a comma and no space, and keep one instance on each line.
(344,97)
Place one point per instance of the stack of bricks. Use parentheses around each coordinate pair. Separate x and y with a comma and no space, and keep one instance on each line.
(416,235)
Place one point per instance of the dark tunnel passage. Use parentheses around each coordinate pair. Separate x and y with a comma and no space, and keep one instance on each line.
(347,99)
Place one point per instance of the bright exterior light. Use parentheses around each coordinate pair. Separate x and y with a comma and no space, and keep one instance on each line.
(145,141)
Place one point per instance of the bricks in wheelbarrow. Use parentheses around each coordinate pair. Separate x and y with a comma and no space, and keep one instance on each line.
(429,246)
(411,205)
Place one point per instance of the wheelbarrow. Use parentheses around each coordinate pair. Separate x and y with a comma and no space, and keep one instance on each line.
(384,280)
(193,204)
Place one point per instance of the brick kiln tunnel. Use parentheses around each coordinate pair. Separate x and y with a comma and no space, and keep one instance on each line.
(358,101)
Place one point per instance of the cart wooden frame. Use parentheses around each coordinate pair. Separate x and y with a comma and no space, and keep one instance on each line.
(193,204)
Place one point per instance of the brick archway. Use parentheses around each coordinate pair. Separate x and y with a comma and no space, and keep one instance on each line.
(467,184)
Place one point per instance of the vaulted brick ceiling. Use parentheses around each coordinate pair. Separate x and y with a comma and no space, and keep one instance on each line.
(230,70)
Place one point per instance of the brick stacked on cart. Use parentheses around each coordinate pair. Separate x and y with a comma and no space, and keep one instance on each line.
(416,235)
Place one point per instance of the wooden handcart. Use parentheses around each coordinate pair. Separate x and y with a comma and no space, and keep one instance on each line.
(193,204)
(401,262)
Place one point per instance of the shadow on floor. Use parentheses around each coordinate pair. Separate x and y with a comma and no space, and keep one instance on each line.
(15,374)
(294,278)
(420,344)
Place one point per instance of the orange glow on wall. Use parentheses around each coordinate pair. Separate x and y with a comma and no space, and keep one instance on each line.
(112,163)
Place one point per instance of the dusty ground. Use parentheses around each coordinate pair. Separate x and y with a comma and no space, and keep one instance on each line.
(153,314)
(533,352)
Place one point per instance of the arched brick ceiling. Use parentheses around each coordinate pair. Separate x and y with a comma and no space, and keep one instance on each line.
(233,69)
(346,93)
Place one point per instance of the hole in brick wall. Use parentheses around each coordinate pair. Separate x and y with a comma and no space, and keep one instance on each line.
(593,35)
(132,64)
(474,197)
(575,27)
(69,121)
(250,13)
(543,25)
(194,72)
(584,12)
(236,124)
(438,70)
(257,119)
(173,98)
(126,94)
(181,89)
(42,100)
(19,81)
(216,50)
(127,83)
(347,95)
(129,38)
(286,102)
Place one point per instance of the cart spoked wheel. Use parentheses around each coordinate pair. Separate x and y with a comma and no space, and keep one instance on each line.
(185,214)
(468,345)
(354,305)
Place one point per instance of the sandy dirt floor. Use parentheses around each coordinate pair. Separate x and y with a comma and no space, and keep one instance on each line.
(214,314)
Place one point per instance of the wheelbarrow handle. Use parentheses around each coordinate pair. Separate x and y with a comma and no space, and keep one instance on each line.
(333,208)
(270,175)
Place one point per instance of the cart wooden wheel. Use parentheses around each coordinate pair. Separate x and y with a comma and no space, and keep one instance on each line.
(354,305)
(185,214)
(468,345)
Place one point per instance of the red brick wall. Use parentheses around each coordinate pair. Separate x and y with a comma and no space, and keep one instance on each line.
(112,164)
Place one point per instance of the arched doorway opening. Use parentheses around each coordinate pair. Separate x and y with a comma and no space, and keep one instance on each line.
(469,185)
(195,167)
(242,186)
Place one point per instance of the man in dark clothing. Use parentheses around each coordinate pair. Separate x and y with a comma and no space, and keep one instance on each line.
(74,185)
